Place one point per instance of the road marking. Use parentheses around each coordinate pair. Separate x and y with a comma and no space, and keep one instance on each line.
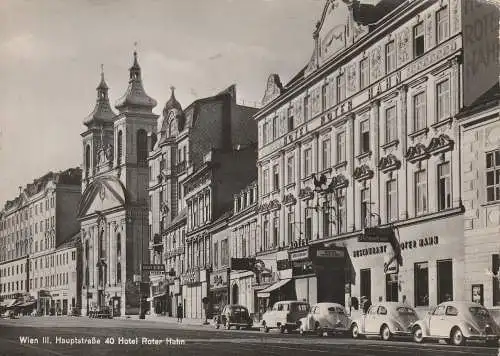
(36,348)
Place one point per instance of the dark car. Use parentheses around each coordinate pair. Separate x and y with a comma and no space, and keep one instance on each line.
(233,315)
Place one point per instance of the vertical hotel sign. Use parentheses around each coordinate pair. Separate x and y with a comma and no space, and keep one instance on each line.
(480,30)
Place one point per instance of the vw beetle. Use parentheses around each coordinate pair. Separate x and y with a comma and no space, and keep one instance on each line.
(325,318)
(457,322)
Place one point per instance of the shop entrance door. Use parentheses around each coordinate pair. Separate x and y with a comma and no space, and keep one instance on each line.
(331,284)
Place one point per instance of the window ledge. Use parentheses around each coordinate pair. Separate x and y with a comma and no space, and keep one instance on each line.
(364,155)
(393,143)
(290,185)
(420,132)
(275,191)
(340,165)
(491,203)
(442,122)
(306,178)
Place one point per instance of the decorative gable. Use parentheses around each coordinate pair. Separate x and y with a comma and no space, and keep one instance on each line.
(389,163)
(417,153)
(363,172)
(274,89)
(440,144)
(103,194)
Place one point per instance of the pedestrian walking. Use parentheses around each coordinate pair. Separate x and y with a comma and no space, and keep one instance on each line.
(179,313)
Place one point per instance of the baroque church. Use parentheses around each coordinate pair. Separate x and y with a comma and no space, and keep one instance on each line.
(113,210)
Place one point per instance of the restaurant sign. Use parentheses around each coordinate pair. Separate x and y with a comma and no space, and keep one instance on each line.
(299,255)
(330,253)
(218,280)
(190,278)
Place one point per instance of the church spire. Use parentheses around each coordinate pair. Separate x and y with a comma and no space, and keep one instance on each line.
(135,98)
(102,111)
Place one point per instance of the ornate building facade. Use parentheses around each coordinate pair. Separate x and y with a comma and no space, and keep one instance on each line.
(366,135)
(114,207)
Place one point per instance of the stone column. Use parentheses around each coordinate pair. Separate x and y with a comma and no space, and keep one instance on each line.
(350,191)
(375,195)
(403,135)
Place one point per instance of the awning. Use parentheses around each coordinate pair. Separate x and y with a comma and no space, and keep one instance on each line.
(156,296)
(8,302)
(265,293)
(27,304)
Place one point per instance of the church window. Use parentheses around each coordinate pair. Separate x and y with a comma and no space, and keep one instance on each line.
(142,148)
(119,147)
(87,160)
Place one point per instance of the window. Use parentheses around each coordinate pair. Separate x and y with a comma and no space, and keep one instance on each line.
(265,233)
(443,100)
(391,287)
(324,91)
(364,75)
(365,136)
(365,202)
(216,254)
(276,177)
(307,163)
(291,227)
(495,266)
(365,283)
(142,148)
(119,149)
(327,224)
(391,128)
(306,108)
(340,88)
(421,284)
(275,127)
(87,165)
(265,183)
(264,133)
(325,154)
(276,226)
(118,272)
(308,224)
(342,211)
(442,25)
(444,186)
(421,192)
(341,154)
(445,280)
(419,112)
(290,167)
(390,57)
(493,176)
(290,119)
(418,40)
(392,201)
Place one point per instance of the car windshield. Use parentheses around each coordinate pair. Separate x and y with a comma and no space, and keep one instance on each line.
(478,311)
(335,310)
(301,307)
(405,311)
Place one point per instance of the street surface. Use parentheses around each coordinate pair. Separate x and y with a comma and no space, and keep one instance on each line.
(64,336)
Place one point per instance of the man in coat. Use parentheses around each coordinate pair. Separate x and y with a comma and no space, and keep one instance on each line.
(179,313)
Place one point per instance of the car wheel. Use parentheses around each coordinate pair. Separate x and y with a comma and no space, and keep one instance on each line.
(318,329)
(457,338)
(418,334)
(264,327)
(227,325)
(385,333)
(289,330)
(355,331)
(217,325)
(301,331)
(237,327)
(282,328)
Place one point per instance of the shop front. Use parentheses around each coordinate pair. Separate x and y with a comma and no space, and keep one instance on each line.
(192,294)
(241,289)
(319,273)
(160,301)
(431,270)
(43,302)
(218,291)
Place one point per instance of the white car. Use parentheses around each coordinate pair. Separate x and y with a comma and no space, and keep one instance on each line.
(457,322)
(385,319)
(325,318)
(284,315)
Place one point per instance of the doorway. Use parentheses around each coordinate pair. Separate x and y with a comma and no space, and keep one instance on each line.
(445,280)
(331,285)
(235,294)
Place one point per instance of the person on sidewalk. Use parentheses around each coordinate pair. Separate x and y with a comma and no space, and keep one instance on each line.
(179,313)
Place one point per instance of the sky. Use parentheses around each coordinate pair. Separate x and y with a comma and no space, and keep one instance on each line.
(51,53)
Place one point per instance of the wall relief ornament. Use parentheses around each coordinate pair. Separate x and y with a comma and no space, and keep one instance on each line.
(417,153)
(403,45)
(376,62)
(389,163)
(289,199)
(363,172)
(339,181)
(269,206)
(440,144)
(351,77)
(429,30)
(274,88)
(306,193)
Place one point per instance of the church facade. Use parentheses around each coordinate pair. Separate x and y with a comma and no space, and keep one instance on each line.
(114,207)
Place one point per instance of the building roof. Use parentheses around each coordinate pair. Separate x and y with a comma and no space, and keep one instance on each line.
(102,113)
(135,97)
(69,242)
(487,99)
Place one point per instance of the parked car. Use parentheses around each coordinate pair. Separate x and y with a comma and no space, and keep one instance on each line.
(325,317)
(457,322)
(284,315)
(385,319)
(233,315)
(10,314)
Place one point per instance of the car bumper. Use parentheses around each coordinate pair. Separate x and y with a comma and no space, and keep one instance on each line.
(402,333)
(484,337)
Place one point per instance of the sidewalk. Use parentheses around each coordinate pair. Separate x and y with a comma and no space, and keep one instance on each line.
(167,319)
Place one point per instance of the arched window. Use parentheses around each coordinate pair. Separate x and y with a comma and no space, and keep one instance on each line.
(118,272)
(87,250)
(142,148)
(87,160)
(153,141)
(101,244)
(118,245)
(119,147)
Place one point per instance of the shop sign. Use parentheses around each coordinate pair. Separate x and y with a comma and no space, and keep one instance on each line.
(169,279)
(302,268)
(423,242)
(190,278)
(376,234)
(330,253)
(218,280)
(299,255)
(153,267)
(370,251)
(282,265)
(390,264)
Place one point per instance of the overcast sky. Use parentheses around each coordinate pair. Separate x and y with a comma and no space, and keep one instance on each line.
(51,52)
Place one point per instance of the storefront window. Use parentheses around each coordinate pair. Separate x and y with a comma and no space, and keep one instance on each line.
(391,287)
(365,283)
(290,227)
(421,284)
(445,280)
(308,224)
